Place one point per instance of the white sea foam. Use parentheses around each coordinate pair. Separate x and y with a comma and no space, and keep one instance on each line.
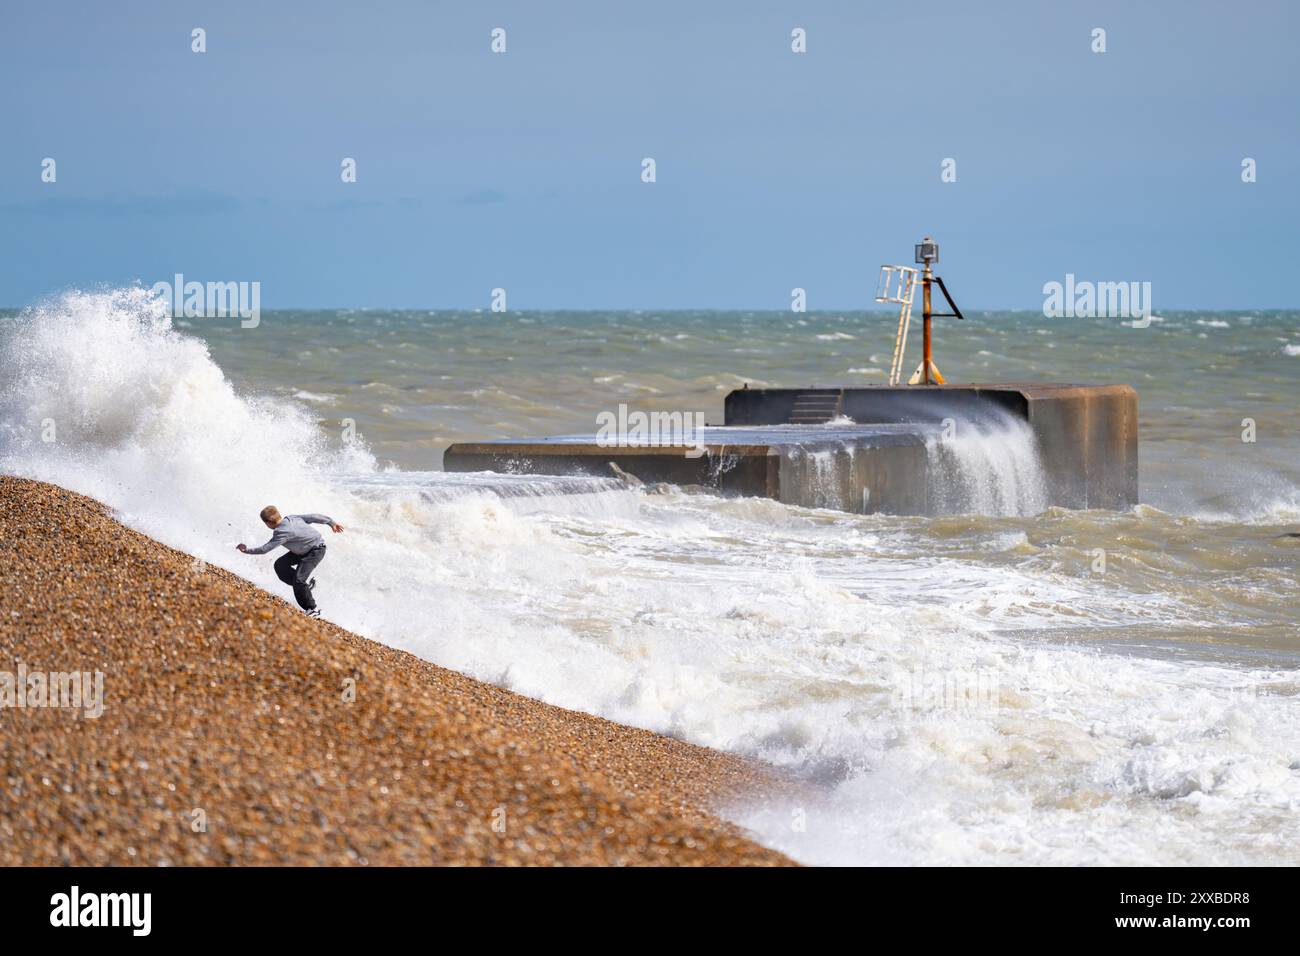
(808,638)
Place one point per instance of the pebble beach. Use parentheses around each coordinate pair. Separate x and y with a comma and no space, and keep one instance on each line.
(237,731)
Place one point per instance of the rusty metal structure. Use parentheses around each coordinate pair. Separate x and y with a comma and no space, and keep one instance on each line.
(897,284)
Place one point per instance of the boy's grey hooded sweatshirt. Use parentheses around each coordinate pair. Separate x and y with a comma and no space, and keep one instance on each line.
(296,533)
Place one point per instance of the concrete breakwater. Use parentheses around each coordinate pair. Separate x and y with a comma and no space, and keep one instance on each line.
(1009,449)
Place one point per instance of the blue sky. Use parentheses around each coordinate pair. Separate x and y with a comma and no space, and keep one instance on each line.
(774,169)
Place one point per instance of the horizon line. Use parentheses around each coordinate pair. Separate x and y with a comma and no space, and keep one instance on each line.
(670,309)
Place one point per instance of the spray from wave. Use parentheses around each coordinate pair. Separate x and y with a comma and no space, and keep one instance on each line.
(826,643)
(988,466)
(101,393)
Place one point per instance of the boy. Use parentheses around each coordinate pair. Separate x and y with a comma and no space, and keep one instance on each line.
(306,549)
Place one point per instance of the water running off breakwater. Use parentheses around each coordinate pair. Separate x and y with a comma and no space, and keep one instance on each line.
(965,689)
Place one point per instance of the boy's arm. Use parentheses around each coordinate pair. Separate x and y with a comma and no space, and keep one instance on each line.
(323,519)
(276,537)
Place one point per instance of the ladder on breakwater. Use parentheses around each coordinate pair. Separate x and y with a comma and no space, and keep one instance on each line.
(897,284)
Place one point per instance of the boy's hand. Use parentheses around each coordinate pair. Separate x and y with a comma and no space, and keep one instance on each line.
(336,527)
(240,547)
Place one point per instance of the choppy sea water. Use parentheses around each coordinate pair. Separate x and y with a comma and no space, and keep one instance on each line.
(973,688)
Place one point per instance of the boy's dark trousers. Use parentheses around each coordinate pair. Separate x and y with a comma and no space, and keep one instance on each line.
(296,569)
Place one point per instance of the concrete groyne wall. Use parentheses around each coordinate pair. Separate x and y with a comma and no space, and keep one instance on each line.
(896,450)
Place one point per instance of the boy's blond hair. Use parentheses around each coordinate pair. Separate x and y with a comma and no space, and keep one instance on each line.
(270,514)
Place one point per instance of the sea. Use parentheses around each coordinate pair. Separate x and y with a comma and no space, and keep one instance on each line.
(1004,684)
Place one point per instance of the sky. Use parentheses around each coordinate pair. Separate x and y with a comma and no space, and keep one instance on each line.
(774,170)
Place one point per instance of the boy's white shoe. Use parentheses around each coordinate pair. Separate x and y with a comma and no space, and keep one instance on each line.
(314,612)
